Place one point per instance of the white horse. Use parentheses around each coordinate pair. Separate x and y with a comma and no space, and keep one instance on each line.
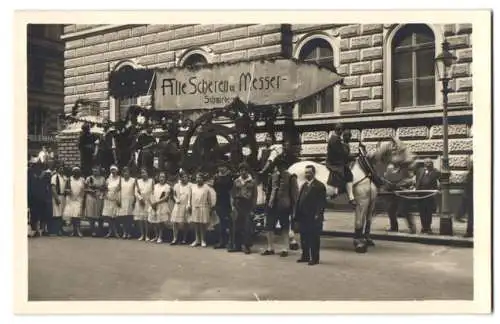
(364,189)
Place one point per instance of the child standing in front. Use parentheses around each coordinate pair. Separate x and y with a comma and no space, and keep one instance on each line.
(202,202)
(143,191)
(182,199)
(127,198)
(159,211)
(75,191)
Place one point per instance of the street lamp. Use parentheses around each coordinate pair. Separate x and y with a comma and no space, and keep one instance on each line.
(443,63)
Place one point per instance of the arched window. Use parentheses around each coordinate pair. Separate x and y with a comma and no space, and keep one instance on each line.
(195,59)
(413,76)
(318,51)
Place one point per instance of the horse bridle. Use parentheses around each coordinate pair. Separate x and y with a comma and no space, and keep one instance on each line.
(366,165)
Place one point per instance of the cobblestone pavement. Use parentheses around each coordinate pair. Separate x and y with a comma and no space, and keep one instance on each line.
(64,268)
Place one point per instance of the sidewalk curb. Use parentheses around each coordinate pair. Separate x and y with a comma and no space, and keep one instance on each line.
(411,238)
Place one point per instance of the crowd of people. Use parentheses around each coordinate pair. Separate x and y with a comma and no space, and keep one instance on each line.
(138,203)
(126,203)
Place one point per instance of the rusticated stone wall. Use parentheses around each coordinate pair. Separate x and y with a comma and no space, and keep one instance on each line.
(361,63)
(90,58)
(423,141)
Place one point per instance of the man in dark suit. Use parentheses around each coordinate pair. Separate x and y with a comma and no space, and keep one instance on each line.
(427,178)
(223,183)
(86,147)
(309,217)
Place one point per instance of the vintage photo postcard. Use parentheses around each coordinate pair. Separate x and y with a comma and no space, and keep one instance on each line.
(253,162)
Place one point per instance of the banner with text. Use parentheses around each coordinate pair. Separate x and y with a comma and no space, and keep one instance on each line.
(258,82)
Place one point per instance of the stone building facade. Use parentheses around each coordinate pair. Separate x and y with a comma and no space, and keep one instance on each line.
(45,52)
(390,85)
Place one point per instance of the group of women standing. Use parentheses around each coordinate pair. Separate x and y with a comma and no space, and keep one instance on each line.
(122,201)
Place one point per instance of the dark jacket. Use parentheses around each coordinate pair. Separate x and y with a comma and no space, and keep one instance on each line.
(336,155)
(284,190)
(31,187)
(222,186)
(427,181)
(41,189)
(86,144)
(311,202)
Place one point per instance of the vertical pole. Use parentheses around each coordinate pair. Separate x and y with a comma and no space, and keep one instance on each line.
(445,224)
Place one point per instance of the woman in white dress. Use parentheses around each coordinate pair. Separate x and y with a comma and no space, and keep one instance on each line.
(159,212)
(73,210)
(94,199)
(127,198)
(58,184)
(112,200)
(143,191)
(182,200)
(202,202)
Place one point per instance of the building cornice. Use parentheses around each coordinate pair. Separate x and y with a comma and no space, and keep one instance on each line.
(92,31)
(391,119)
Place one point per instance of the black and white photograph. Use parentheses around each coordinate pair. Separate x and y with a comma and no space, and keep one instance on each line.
(255,161)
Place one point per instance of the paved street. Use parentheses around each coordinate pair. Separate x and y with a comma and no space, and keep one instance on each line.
(109,269)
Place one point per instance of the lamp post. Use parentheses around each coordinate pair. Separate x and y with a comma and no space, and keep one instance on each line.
(443,65)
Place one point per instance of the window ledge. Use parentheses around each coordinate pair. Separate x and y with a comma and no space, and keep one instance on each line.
(416,108)
(388,116)
(317,115)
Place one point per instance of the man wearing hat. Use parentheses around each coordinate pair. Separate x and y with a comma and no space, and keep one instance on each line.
(337,161)
(427,178)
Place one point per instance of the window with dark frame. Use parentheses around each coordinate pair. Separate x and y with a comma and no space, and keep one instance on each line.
(318,51)
(413,76)
(195,59)
(123,104)
(37,118)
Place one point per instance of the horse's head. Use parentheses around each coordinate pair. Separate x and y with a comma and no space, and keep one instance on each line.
(395,152)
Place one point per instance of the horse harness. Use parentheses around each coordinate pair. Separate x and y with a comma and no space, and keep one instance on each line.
(367,167)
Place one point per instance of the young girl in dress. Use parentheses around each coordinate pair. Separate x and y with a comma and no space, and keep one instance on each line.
(143,191)
(127,198)
(159,210)
(202,202)
(73,210)
(112,200)
(94,199)
(182,200)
